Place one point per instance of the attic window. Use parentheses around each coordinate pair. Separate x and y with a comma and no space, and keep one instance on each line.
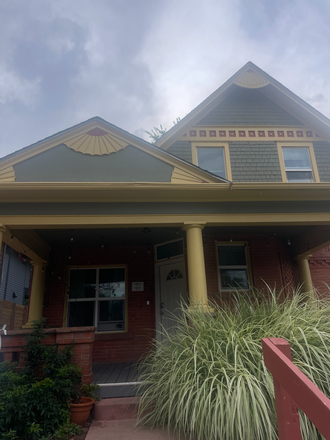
(298,165)
(212,159)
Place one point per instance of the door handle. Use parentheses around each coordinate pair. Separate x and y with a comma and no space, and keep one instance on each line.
(162,305)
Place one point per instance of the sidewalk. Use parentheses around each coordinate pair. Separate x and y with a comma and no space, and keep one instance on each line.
(126,430)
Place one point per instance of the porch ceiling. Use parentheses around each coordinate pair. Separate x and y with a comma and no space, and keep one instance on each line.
(56,238)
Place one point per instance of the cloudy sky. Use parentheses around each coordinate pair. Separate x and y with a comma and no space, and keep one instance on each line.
(141,63)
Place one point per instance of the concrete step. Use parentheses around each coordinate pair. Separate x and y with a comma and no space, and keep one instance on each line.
(116,409)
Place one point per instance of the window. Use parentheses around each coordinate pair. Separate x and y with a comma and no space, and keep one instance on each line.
(233,266)
(212,158)
(298,163)
(97,296)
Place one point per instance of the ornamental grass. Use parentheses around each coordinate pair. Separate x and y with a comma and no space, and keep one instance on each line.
(208,381)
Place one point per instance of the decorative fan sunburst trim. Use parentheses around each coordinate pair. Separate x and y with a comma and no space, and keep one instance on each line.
(251,80)
(7,175)
(96,142)
(180,176)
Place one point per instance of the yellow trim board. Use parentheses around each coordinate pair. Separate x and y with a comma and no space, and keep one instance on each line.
(7,175)
(15,192)
(166,220)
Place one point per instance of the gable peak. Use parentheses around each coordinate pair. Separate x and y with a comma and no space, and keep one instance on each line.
(251,79)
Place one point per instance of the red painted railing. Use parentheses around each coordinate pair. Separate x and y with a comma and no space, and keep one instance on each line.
(294,390)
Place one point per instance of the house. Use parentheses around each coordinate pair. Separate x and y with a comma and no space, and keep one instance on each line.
(118,230)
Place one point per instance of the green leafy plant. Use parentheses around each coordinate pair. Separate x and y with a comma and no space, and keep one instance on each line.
(34,401)
(208,379)
(90,390)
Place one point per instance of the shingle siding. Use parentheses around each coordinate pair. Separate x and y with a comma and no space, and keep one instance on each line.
(322,156)
(254,162)
(181,149)
(248,107)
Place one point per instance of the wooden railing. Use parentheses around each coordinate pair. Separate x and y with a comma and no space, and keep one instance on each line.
(12,314)
(294,390)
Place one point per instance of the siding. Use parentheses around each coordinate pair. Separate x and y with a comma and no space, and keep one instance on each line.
(254,162)
(181,149)
(16,279)
(322,156)
(248,107)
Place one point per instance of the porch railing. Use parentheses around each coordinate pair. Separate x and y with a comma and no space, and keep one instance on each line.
(12,315)
(294,390)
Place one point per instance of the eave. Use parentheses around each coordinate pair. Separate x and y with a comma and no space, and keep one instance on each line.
(160,192)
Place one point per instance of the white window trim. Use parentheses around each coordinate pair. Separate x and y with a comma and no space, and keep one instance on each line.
(224,145)
(309,145)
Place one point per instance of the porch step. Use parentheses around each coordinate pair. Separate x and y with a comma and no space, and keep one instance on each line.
(124,389)
(116,409)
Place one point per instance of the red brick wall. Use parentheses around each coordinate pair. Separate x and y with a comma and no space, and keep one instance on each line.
(270,258)
(319,265)
(270,261)
(141,317)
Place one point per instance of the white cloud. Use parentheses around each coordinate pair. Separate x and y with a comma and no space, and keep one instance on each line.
(15,88)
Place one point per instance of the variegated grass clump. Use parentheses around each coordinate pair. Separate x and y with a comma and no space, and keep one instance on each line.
(209,381)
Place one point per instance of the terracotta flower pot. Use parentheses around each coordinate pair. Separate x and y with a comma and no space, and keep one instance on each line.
(80,411)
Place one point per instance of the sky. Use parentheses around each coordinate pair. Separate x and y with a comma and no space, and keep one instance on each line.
(142,63)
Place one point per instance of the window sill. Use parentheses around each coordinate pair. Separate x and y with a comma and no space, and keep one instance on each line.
(102,336)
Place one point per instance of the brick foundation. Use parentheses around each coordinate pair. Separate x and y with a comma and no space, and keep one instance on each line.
(82,337)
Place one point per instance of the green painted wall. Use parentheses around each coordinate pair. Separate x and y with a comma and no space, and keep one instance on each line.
(181,149)
(254,162)
(248,107)
(62,164)
(118,208)
(322,156)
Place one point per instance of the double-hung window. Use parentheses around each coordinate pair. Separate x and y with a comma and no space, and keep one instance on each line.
(233,267)
(97,297)
(298,166)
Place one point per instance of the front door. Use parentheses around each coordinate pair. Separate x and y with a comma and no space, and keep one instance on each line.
(172,293)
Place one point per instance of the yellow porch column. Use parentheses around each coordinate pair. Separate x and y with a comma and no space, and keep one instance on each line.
(2,231)
(196,267)
(37,293)
(305,278)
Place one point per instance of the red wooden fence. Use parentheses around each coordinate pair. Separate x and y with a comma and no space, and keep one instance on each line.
(294,390)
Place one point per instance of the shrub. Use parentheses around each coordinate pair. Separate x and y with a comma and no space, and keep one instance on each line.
(34,401)
(209,380)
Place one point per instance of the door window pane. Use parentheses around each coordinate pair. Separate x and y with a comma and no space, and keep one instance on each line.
(212,159)
(112,283)
(82,283)
(81,313)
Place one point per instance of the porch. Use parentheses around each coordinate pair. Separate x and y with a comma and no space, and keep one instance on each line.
(116,379)
(267,253)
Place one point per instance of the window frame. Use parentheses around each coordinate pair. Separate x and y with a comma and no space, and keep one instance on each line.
(96,299)
(224,145)
(247,266)
(170,258)
(309,146)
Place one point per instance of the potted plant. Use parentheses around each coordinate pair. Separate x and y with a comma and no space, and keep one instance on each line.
(82,403)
